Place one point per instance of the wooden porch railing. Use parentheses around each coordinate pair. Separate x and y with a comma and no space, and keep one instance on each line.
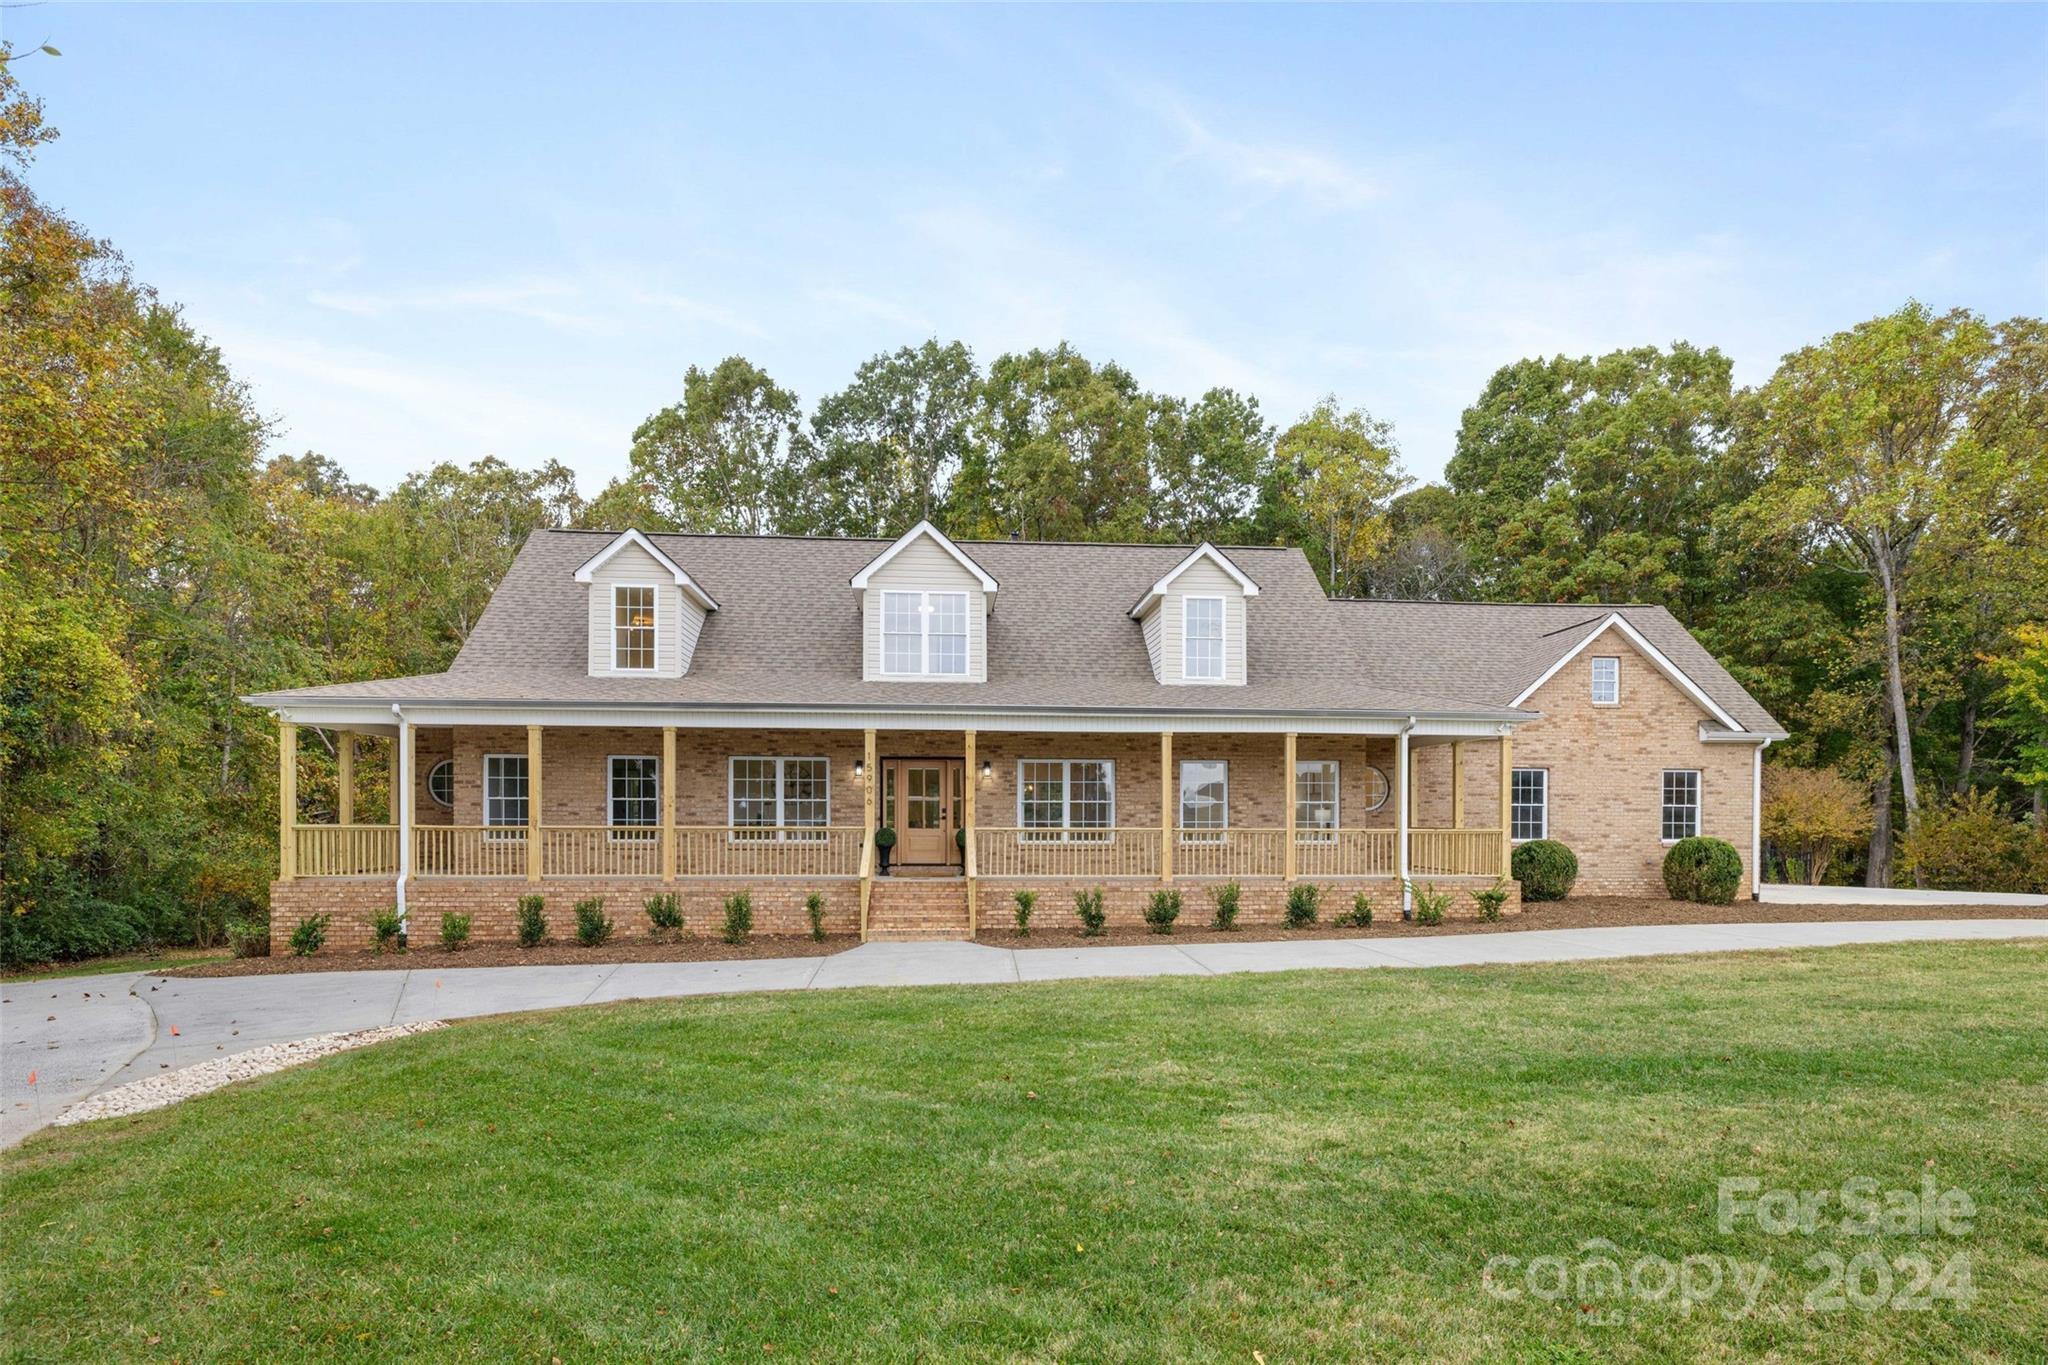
(1344,853)
(1454,853)
(600,851)
(345,850)
(635,851)
(1014,852)
(768,851)
(1230,853)
(469,851)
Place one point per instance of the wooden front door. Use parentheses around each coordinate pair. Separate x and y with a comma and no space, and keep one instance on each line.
(923,804)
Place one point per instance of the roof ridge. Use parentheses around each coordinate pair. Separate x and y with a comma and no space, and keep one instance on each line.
(886,540)
(1471,602)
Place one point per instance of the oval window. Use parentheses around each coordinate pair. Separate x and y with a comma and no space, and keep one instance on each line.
(1376,787)
(441,783)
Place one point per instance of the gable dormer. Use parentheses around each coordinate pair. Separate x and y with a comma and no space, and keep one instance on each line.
(1194,621)
(924,606)
(645,611)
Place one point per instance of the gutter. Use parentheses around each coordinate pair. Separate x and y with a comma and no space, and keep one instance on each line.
(1756,823)
(402,774)
(1401,761)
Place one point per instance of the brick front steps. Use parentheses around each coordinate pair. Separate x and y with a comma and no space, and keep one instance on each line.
(923,907)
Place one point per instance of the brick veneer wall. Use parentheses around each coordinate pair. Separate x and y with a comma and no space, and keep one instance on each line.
(1261,903)
(1607,765)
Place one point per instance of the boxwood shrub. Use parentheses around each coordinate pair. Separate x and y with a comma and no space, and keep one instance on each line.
(1703,870)
(1545,868)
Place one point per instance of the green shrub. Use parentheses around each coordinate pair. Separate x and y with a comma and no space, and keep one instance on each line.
(1359,916)
(1430,904)
(1302,900)
(664,914)
(814,906)
(1026,902)
(1545,868)
(1703,870)
(533,921)
(1162,911)
(1969,844)
(309,935)
(454,930)
(385,926)
(248,937)
(1088,905)
(593,926)
(739,917)
(1227,898)
(1491,901)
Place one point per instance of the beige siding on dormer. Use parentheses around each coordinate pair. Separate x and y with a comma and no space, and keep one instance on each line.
(1200,579)
(923,565)
(678,621)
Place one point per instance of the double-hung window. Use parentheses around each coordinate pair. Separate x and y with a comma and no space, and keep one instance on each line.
(633,629)
(634,805)
(1529,804)
(1606,681)
(505,792)
(1202,639)
(924,634)
(1204,801)
(780,798)
(1315,801)
(1066,800)
(1681,804)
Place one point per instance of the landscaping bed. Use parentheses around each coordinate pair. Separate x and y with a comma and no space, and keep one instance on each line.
(433,957)
(1056,927)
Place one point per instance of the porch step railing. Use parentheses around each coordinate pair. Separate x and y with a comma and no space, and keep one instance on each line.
(345,850)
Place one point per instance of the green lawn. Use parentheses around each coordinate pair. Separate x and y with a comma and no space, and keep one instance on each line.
(1313,1166)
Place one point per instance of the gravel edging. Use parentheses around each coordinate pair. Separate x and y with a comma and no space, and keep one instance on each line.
(157,1092)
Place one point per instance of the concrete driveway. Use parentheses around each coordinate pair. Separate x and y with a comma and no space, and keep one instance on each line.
(84,1034)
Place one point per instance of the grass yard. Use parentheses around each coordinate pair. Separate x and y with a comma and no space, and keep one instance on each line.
(1314,1166)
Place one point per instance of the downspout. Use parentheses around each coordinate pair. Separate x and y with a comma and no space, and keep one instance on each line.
(1756,824)
(402,775)
(1402,815)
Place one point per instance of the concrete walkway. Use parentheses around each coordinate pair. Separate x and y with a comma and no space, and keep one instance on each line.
(83,1034)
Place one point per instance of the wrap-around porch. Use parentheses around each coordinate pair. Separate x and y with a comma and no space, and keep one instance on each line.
(650,807)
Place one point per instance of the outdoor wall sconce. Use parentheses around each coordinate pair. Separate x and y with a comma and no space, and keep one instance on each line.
(860,770)
(988,771)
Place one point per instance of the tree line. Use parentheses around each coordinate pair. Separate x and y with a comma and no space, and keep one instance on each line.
(1863,539)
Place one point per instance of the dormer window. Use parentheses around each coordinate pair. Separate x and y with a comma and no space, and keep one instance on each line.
(633,628)
(924,634)
(1202,639)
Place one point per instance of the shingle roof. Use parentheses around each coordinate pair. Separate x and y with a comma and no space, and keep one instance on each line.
(788,634)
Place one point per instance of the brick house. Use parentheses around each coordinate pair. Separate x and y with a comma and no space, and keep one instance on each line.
(704,714)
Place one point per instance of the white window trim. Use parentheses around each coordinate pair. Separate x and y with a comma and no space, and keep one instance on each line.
(1066,828)
(1316,834)
(655,666)
(1180,804)
(449,764)
(1386,788)
(611,814)
(492,831)
(925,612)
(1222,638)
(1699,804)
(781,825)
(1594,688)
(1545,830)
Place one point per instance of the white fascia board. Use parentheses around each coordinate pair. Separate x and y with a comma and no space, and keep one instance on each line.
(1671,671)
(925,528)
(1203,551)
(925,719)
(632,537)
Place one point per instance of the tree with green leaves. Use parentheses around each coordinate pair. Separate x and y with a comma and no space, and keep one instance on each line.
(1338,472)
(724,458)
(1065,452)
(1210,460)
(885,449)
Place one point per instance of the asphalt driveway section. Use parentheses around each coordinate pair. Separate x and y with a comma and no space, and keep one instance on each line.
(84,1034)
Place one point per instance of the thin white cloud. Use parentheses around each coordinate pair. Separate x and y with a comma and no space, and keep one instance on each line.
(1319,176)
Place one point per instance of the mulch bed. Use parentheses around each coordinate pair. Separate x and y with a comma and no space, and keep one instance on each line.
(433,957)
(1578,912)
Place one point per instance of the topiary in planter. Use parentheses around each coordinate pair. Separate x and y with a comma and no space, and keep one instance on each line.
(1545,868)
(1703,870)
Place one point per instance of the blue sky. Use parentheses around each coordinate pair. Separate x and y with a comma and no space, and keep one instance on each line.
(442,233)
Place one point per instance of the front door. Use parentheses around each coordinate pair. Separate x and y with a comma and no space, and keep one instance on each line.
(925,797)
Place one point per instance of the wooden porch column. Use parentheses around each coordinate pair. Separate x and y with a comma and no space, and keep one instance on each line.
(1402,775)
(871,779)
(533,803)
(1166,804)
(1287,781)
(345,762)
(1507,770)
(287,800)
(668,803)
(1457,784)
(969,779)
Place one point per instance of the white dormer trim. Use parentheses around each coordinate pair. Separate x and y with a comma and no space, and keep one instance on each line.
(631,537)
(925,528)
(1203,551)
(1676,675)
